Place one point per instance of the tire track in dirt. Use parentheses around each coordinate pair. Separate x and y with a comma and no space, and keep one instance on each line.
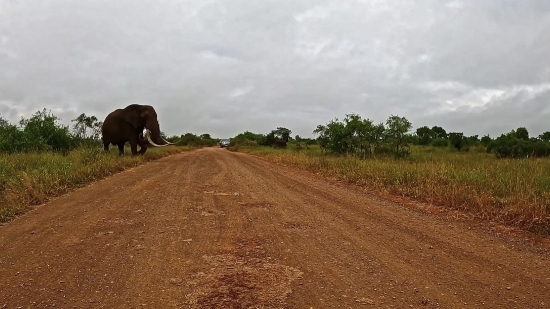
(212,228)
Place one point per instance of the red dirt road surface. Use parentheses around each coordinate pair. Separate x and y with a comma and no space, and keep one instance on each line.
(216,229)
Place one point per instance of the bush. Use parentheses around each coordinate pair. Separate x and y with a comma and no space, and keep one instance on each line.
(439,142)
(39,133)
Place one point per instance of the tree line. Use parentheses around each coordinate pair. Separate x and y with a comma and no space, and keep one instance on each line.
(354,135)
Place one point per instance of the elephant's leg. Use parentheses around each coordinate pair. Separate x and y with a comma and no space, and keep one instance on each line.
(142,145)
(106,147)
(120,149)
(133,144)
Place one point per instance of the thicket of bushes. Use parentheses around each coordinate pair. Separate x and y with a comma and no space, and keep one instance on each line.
(42,132)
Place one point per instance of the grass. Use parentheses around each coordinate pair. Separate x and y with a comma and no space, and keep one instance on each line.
(508,191)
(31,179)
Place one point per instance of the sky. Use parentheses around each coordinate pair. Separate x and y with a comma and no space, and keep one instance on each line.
(223,67)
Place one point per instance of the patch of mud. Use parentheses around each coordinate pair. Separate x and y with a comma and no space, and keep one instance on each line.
(260,205)
(296,226)
(230,281)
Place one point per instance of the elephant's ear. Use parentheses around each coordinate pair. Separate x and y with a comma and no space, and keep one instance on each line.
(132,117)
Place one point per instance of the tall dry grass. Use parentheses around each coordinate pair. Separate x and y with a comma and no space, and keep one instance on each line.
(31,179)
(513,192)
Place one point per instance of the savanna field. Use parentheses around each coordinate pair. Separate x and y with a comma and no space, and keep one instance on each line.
(515,192)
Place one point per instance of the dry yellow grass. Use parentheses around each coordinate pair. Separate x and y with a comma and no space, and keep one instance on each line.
(513,192)
(30,179)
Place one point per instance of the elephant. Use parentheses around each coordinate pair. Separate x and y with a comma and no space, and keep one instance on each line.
(127,125)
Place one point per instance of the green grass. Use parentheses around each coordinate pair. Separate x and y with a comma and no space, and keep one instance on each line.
(31,179)
(511,192)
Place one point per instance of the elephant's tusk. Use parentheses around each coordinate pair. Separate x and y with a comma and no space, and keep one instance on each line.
(152,143)
(167,142)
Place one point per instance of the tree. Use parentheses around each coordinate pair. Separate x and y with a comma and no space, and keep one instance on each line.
(352,133)
(545,136)
(377,136)
(439,132)
(472,140)
(276,138)
(396,133)
(83,123)
(332,136)
(457,140)
(283,133)
(522,133)
(324,137)
(425,135)
(11,138)
(365,134)
(96,130)
(485,140)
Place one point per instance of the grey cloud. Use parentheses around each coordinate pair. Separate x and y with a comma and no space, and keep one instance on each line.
(225,67)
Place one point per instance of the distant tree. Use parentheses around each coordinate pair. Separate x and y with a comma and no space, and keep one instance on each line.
(283,133)
(323,138)
(439,132)
(425,135)
(377,136)
(83,123)
(12,139)
(472,140)
(485,140)
(276,138)
(457,140)
(522,133)
(396,134)
(365,134)
(545,136)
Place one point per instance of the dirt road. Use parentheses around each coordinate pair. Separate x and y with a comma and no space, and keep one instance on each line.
(216,229)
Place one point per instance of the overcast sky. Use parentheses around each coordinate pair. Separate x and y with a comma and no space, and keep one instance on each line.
(223,67)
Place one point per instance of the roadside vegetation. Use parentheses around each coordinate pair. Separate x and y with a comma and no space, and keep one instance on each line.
(504,179)
(40,158)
